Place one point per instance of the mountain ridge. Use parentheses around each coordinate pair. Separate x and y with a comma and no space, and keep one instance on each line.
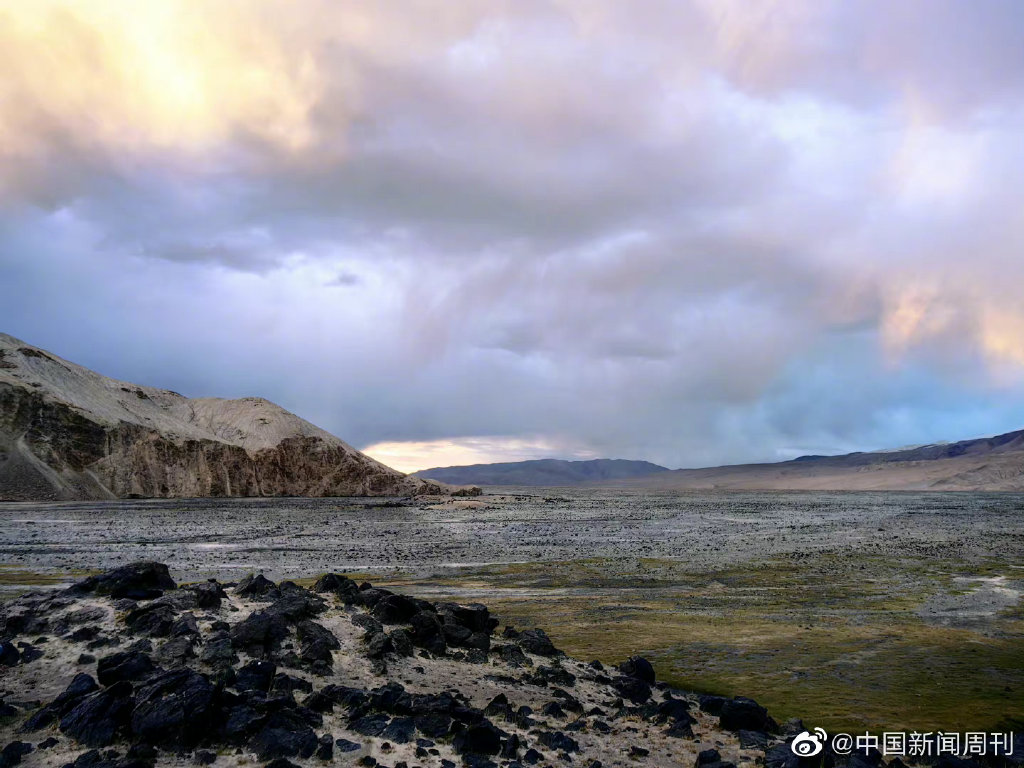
(67,432)
(994,463)
(541,472)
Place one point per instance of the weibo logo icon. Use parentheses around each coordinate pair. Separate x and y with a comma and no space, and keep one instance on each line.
(809,744)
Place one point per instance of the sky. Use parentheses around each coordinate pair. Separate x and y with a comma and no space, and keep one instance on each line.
(692,232)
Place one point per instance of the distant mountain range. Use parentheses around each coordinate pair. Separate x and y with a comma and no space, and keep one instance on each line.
(69,433)
(542,472)
(988,463)
(982,464)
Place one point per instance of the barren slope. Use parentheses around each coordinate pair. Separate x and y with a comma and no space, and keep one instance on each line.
(69,433)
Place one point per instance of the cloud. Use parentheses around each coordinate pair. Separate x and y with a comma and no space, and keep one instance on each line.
(693,232)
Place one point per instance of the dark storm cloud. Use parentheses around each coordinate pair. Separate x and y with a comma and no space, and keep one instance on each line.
(689,232)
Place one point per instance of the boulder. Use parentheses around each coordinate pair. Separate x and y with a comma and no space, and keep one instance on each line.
(137,581)
(127,665)
(394,609)
(260,631)
(741,714)
(632,688)
(558,740)
(537,642)
(174,710)
(638,667)
(255,676)
(480,739)
(427,632)
(82,685)
(255,585)
(99,719)
(316,642)
(153,620)
(284,734)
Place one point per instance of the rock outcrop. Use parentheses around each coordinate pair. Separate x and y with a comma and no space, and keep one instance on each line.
(69,433)
(346,674)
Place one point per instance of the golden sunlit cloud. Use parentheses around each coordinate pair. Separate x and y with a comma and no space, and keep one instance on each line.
(412,456)
(167,74)
(919,314)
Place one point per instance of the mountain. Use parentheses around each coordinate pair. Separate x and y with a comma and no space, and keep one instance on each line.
(542,472)
(983,464)
(69,433)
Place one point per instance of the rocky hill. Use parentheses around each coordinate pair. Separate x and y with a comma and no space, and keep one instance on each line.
(542,472)
(129,670)
(69,433)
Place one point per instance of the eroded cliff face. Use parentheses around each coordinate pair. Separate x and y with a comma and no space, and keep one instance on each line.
(61,437)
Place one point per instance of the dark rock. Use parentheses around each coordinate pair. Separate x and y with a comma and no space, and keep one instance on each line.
(174,709)
(325,747)
(548,674)
(219,652)
(98,719)
(553,709)
(13,752)
(175,652)
(753,740)
(532,756)
(434,726)
(284,734)
(637,752)
(153,620)
(137,581)
(746,714)
(255,676)
(370,725)
(127,665)
(639,667)
(47,743)
(674,710)
(401,642)
(280,762)
(344,745)
(9,655)
(712,704)
(84,634)
(208,594)
(287,684)
(707,756)
(142,751)
(558,740)
(260,631)
(781,756)
(336,583)
(394,609)
(680,730)
(255,585)
(499,707)
(537,642)
(513,655)
(401,730)
(480,739)
(632,688)
(367,622)
(185,626)
(81,686)
(29,652)
(377,644)
(427,632)
(205,757)
(316,642)
(297,604)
